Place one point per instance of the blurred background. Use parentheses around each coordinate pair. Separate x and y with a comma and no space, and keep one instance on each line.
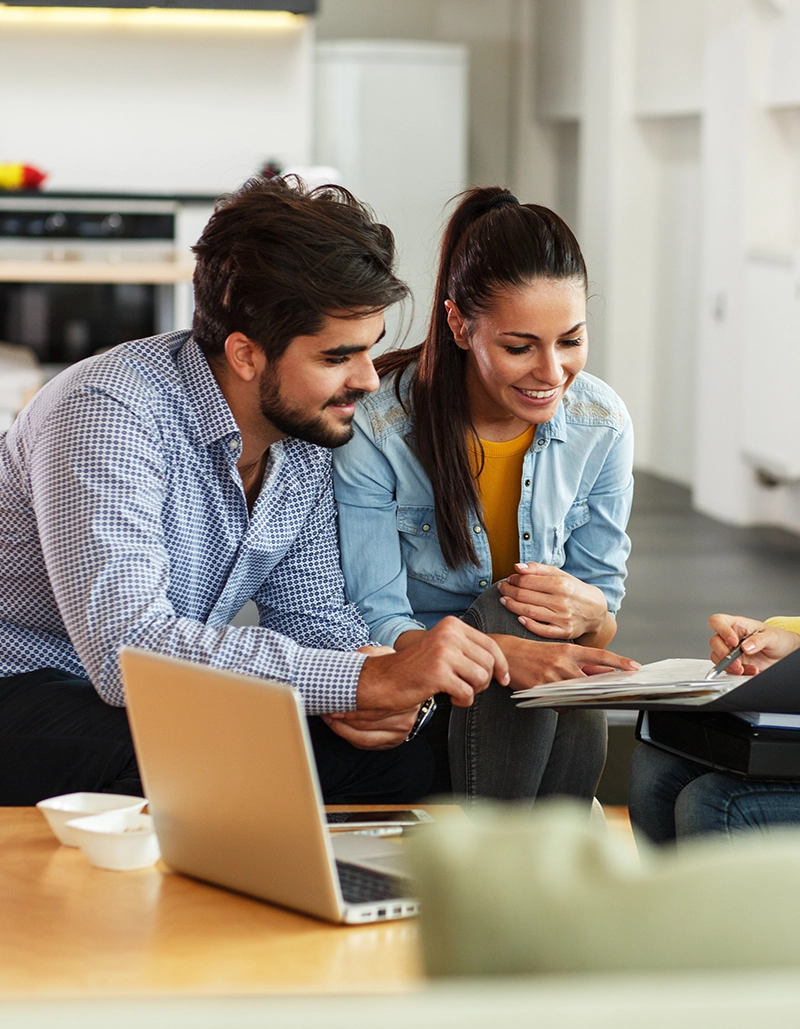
(667,135)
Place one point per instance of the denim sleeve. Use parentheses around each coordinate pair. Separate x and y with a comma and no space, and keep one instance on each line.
(597,551)
(374,570)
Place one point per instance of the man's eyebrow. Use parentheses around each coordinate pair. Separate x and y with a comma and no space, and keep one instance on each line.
(530,335)
(344,349)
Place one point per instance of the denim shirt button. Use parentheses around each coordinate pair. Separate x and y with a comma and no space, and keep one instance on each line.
(426,528)
(527,482)
(483,582)
(526,535)
(476,528)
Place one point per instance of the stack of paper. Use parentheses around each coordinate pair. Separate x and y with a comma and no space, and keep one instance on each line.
(668,681)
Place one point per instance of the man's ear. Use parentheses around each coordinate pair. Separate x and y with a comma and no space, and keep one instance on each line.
(457,324)
(245,358)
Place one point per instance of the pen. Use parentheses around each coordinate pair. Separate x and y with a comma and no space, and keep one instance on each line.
(730,657)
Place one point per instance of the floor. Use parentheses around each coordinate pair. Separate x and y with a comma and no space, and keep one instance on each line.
(683,568)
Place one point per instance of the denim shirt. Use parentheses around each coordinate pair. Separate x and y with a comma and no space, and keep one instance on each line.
(577,487)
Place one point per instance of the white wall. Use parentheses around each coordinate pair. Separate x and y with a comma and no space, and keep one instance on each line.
(684,123)
(490,29)
(192,109)
(391,117)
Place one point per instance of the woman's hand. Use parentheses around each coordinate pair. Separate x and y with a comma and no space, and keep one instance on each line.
(554,604)
(532,662)
(760,651)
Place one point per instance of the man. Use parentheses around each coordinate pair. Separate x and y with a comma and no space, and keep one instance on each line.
(147,493)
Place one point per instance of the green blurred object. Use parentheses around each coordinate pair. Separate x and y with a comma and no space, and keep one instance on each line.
(507,893)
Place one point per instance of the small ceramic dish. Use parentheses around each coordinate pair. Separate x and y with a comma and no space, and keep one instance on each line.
(120,840)
(60,810)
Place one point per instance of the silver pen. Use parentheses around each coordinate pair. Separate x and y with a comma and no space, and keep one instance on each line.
(730,657)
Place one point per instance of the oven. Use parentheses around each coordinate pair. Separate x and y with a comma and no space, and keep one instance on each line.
(82,272)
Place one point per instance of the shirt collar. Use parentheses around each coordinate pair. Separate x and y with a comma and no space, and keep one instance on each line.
(214,418)
(556,428)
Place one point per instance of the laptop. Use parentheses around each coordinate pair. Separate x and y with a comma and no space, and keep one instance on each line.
(229,773)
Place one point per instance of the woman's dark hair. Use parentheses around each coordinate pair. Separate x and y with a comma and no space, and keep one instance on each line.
(276,258)
(489,244)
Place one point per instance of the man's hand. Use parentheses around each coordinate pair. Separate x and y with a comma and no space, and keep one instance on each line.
(532,662)
(760,651)
(450,658)
(373,730)
(554,604)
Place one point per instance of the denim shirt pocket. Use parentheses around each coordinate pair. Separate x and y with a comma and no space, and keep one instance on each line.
(577,516)
(419,544)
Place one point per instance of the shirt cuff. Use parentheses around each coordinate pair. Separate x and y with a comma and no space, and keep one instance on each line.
(327,680)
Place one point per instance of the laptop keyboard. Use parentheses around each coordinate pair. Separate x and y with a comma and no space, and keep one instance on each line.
(363,885)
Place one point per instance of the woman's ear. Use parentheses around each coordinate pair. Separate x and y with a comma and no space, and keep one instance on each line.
(457,324)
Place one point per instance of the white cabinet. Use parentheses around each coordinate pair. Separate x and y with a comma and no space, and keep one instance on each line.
(392,117)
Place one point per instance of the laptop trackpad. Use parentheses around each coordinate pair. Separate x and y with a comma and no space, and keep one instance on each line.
(375,852)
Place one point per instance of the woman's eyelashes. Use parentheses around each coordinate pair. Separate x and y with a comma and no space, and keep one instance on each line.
(526,348)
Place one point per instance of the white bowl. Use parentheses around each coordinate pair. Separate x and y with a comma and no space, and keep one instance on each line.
(120,840)
(60,810)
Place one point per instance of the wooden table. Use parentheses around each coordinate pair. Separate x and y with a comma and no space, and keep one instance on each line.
(68,928)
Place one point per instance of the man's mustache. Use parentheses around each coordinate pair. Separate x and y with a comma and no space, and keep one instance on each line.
(351,397)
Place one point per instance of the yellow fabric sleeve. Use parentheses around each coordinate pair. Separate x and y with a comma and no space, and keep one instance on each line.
(788,622)
(499,488)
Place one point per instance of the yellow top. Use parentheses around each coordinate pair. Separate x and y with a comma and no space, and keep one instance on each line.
(499,488)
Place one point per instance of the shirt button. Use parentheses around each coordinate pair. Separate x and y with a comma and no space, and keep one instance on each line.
(426,528)
(476,528)
(233,443)
(527,482)
(483,582)
(526,535)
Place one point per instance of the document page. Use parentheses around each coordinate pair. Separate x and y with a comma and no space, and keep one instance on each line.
(669,680)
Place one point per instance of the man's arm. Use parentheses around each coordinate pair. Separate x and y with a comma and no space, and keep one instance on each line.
(98,483)
(304,596)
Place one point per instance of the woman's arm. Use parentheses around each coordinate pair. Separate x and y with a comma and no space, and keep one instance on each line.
(579,600)
(375,573)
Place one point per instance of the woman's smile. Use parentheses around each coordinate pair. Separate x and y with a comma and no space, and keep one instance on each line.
(523,354)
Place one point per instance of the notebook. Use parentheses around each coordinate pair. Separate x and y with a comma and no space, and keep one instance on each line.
(229,773)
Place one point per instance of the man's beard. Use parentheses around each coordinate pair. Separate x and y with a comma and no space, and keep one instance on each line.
(301,425)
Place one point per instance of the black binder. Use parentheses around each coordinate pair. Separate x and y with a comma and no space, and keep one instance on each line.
(724,743)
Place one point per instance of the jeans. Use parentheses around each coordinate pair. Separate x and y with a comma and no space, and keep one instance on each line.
(671,799)
(57,736)
(503,752)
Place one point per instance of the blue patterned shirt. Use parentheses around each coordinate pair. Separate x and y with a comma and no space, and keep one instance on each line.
(123,521)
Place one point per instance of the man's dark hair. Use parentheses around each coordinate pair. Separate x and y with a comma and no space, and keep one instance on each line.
(276,258)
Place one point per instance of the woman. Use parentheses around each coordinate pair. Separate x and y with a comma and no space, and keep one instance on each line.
(487,454)
(673,798)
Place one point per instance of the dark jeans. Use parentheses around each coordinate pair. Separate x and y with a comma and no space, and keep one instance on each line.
(57,736)
(503,752)
(672,800)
